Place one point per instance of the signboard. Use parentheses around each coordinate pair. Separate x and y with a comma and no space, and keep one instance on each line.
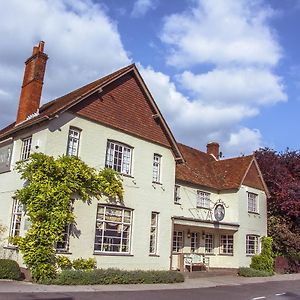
(219,212)
(5,157)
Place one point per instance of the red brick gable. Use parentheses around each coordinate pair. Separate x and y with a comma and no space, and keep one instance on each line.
(123,105)
(253,178)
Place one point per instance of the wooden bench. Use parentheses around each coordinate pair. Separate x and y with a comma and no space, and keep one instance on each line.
(198,260)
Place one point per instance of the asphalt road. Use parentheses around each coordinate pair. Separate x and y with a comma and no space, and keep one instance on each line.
(285,290)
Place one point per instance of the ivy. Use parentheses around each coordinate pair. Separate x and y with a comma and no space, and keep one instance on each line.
(50,184)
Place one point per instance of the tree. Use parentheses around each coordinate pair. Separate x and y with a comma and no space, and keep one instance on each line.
(281,172)
(50,184)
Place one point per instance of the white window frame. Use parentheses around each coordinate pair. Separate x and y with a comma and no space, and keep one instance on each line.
(153,246)
(252,244)
(26,148)
(252,202)
(226,244)
(122,163)
(177,194)
(209,243)
(63,244)
(16,218)
(194,241)
(156,173)
(73,141)
(177,241)
(203,199)
(111,228)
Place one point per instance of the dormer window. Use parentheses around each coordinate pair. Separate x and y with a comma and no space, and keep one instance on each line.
(118,157)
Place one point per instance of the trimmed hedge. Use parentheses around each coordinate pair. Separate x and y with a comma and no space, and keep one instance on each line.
(114,276)
(249,272)
(9,269)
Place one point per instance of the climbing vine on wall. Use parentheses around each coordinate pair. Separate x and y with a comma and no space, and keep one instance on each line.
(50,184)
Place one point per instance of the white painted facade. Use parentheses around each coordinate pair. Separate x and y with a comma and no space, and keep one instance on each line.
(143,197)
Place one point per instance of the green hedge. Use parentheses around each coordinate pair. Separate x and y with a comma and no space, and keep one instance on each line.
(249,272)
(9,269)
(114,276)
(264,261)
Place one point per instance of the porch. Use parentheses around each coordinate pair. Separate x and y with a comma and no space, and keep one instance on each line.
(201,245)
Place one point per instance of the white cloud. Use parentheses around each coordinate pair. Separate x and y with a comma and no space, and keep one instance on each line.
(194,122)
(82,43)
(244,140)
(141,7)
(221,32)
(228,50)
(231,86)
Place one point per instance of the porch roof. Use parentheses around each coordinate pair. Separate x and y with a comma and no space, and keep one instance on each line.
(178,220)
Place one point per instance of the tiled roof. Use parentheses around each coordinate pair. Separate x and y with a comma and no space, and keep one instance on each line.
(53,107)
(127,106)
(202,169)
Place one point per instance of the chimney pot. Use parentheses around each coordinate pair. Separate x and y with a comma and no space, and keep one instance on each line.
(213,148)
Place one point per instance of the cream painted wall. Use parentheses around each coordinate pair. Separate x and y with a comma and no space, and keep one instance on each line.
(141,194)
(236,212)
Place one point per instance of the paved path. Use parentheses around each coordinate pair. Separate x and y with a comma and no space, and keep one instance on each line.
(7,286)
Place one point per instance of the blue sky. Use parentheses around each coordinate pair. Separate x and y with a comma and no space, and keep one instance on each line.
(226,71)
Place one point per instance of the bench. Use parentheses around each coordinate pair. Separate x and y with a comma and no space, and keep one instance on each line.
(191,260)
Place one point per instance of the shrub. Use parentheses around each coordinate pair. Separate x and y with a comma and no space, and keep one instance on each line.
(249,272)
(264,261)
(63,262)
(114,276)
(84,264)
(9,269)
(281,265)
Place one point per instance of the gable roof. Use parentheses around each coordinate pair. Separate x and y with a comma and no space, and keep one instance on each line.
(53,108)
(203,169)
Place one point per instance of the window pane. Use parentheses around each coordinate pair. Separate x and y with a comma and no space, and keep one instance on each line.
(177,194)
(203,199)
(153,233)
(209,246)
(252,202)
(118,157)
(156,168)
(16,219)
(113,226)
(73,142)
(26,148)
(177,241)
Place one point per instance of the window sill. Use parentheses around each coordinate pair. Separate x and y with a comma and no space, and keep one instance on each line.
(226,254)
(63,252)
(156,182)
(209,254)
(253,213)
(251,255)
(154,255)
(126,175)
(202,207)
(177,203)
(11,247)
(3,172)
(112,254)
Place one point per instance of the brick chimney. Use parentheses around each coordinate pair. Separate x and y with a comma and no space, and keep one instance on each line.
(32,83)
(214,149)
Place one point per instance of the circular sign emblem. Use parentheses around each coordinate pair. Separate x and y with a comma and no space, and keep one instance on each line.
(219,212)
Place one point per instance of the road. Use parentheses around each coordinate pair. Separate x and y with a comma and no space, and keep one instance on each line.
(284,290)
